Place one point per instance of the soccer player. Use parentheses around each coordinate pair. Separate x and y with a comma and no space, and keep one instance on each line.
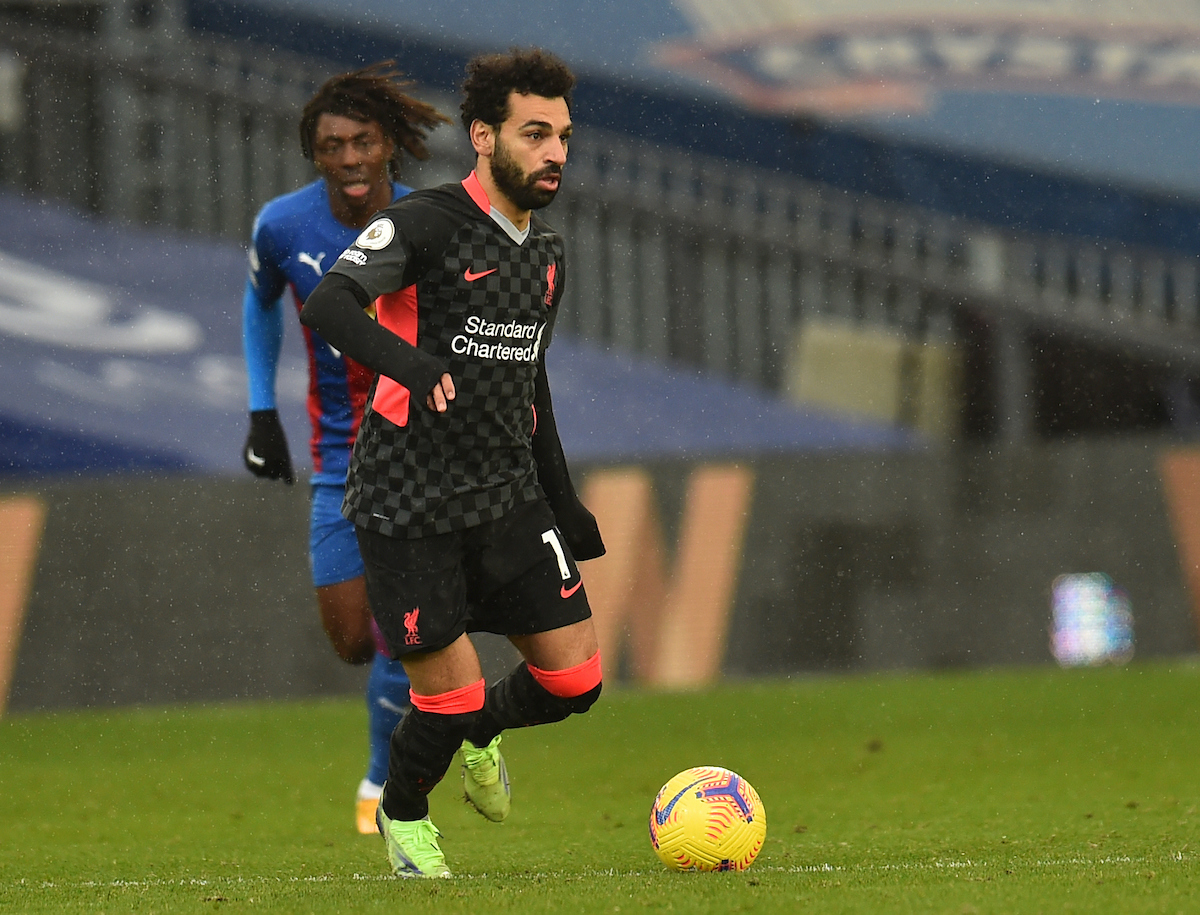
(466,517)
(354,131)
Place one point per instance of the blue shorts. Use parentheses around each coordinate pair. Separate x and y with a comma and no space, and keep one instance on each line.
(332,546)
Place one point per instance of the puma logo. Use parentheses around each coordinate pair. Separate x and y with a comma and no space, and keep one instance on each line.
(315,262)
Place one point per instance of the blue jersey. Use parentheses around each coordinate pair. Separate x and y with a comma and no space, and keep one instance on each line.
(295,239)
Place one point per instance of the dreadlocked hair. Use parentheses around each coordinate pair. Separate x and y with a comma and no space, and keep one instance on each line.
(374,94)
(491,78)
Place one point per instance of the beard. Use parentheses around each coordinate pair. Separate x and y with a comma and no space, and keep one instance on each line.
(516,185)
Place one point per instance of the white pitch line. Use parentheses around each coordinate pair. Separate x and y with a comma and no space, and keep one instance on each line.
(1178,857)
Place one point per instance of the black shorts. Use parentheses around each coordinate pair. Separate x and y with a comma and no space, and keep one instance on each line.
(514,576)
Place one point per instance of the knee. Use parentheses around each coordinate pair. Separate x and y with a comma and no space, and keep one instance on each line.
(346,620)
(350,649)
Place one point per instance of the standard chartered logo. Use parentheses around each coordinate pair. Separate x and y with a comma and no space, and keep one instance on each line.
(516,341)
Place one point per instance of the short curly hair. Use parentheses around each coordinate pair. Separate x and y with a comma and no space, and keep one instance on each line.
(374,93)
(491,78)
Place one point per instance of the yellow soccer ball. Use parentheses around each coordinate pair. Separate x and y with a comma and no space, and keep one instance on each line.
(707,819)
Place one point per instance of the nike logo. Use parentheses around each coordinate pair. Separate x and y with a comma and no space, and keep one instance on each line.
(315,262)
(256,460)
(472,277)
(567,592)
(661,816)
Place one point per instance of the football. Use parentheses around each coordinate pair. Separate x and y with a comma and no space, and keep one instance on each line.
(707,819)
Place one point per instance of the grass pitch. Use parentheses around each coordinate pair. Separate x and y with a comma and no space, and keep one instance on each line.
(1012,791)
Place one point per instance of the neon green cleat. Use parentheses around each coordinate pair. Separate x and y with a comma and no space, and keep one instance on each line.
(485,779)
(412,846)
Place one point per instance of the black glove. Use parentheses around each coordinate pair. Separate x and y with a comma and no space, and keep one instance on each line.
(577,525)
(266,450)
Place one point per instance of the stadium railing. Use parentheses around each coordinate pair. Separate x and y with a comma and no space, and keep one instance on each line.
(677,256)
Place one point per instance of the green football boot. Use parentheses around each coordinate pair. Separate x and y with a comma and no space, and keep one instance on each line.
(485,779)
(412,846)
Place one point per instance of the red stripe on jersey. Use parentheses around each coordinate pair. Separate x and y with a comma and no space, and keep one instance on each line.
(397,311)
(472,186)
(312,403)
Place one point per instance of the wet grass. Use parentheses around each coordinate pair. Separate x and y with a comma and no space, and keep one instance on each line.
(1034,790)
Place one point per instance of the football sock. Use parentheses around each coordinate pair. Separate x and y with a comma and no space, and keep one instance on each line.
(524,698)
(423,746)
(387,701)
(572,682)
(368,790)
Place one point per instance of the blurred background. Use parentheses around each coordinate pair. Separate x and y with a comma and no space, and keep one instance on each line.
(882,318)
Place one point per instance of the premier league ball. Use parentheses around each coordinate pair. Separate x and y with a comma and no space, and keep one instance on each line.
(707,819)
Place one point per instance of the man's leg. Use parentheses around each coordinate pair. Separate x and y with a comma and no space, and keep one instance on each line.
(347,621)
(345,614)
(422,748)
(561,673)
(560,648)
(418,588)
(447,696)
(386,683)
(560,676)
(346,617)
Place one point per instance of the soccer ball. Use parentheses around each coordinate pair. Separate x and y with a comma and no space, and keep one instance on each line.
(707,819)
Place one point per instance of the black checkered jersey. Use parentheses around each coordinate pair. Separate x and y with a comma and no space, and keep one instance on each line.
(455,278)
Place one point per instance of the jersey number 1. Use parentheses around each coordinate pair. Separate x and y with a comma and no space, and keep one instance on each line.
(551,538)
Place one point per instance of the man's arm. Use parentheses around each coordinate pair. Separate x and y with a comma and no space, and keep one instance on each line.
(262,340)
(336,310)
(577,524)
(265,452)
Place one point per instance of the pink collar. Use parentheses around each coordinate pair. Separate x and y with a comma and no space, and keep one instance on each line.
(472,186)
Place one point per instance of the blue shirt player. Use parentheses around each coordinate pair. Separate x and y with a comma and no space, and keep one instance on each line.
(354,131)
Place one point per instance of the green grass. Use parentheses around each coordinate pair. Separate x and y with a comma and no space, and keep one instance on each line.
(1033,790)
